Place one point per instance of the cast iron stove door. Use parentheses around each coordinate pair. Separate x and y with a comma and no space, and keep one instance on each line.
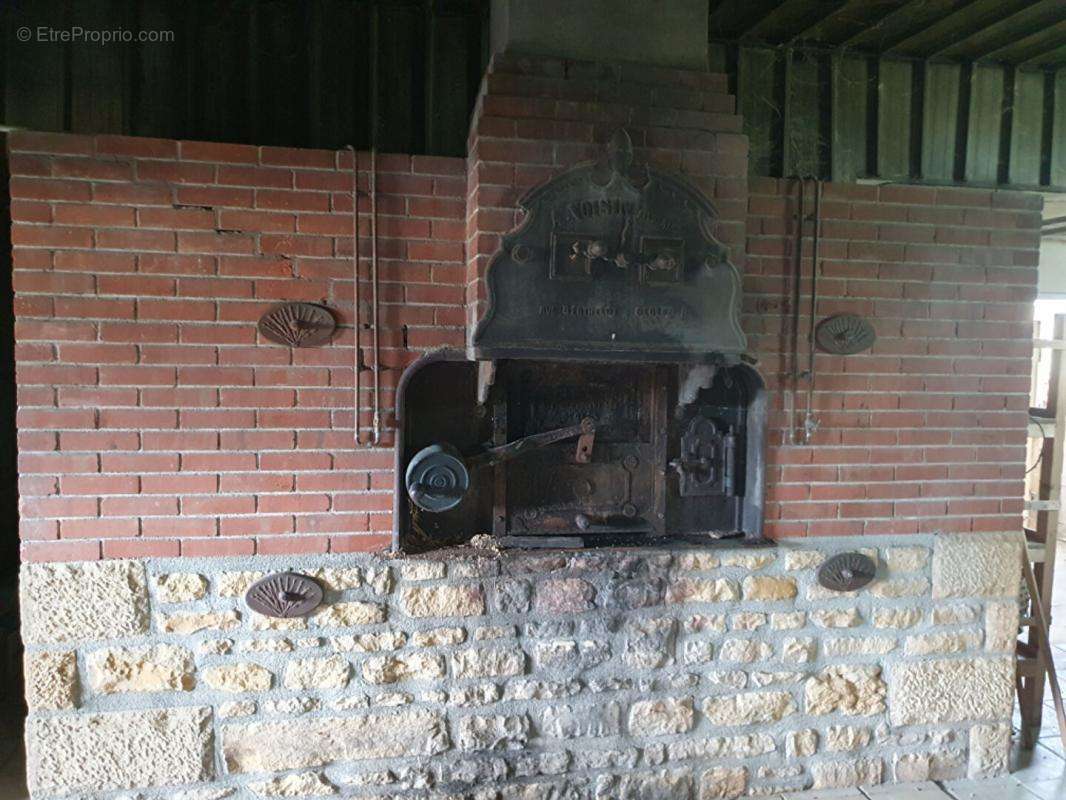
(616,493)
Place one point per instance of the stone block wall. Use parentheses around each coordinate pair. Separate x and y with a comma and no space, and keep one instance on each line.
(683,675)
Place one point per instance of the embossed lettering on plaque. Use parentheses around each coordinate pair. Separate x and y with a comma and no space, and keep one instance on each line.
(613,261)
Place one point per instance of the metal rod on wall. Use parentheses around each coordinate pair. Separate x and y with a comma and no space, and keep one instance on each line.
(792,411)
(810,424)
(374,289)
(375,89)
(356,322)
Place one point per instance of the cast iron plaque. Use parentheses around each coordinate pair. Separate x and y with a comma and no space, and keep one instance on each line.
(298,324)
(847,572)
(285,594)
(845,334)
(613,262)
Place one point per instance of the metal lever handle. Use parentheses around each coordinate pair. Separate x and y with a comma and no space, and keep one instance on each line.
(687,463)
(420,490)
(505,452)
(588,523)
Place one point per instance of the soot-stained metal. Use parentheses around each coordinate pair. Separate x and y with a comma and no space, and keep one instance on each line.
(613,261)
(606,397)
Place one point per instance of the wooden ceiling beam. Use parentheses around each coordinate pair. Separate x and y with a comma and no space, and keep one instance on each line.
(1034,18)
(781,24)
(732,19)
(901,24)
(1047,56)
(852,17)
(957,27)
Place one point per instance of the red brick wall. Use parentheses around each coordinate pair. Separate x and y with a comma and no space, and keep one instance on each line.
(926,431)
(153,421)
(152,418)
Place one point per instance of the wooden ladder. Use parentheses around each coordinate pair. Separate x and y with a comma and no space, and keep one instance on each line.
(1047,432)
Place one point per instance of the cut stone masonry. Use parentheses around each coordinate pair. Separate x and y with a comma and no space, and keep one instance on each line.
(451,671)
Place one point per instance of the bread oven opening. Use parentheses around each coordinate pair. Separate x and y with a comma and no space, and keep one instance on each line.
(606,397)
(560,454)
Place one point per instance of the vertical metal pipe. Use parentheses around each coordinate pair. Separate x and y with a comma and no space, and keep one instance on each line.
(810,424)
(356,321)
(356,366)
(374,290)
(797,277)
(374,100)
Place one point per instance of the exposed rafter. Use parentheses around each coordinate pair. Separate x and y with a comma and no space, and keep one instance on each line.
(1005,31)
(1053,58)
(1044,48)
(733,19)
(851,18)
(967,91)
(957,27)
(1020,32)
(782,24)
(902,24)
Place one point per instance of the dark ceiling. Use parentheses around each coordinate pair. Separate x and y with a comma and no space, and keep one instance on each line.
(836,88)
(1023,33)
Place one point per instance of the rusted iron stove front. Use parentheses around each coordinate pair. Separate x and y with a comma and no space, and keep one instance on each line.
(606,397)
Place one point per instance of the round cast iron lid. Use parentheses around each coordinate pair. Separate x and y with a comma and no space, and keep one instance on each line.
(437,479)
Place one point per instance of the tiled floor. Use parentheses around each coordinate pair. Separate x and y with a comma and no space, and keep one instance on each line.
(1010,788)
(911,791)
(1058,595)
